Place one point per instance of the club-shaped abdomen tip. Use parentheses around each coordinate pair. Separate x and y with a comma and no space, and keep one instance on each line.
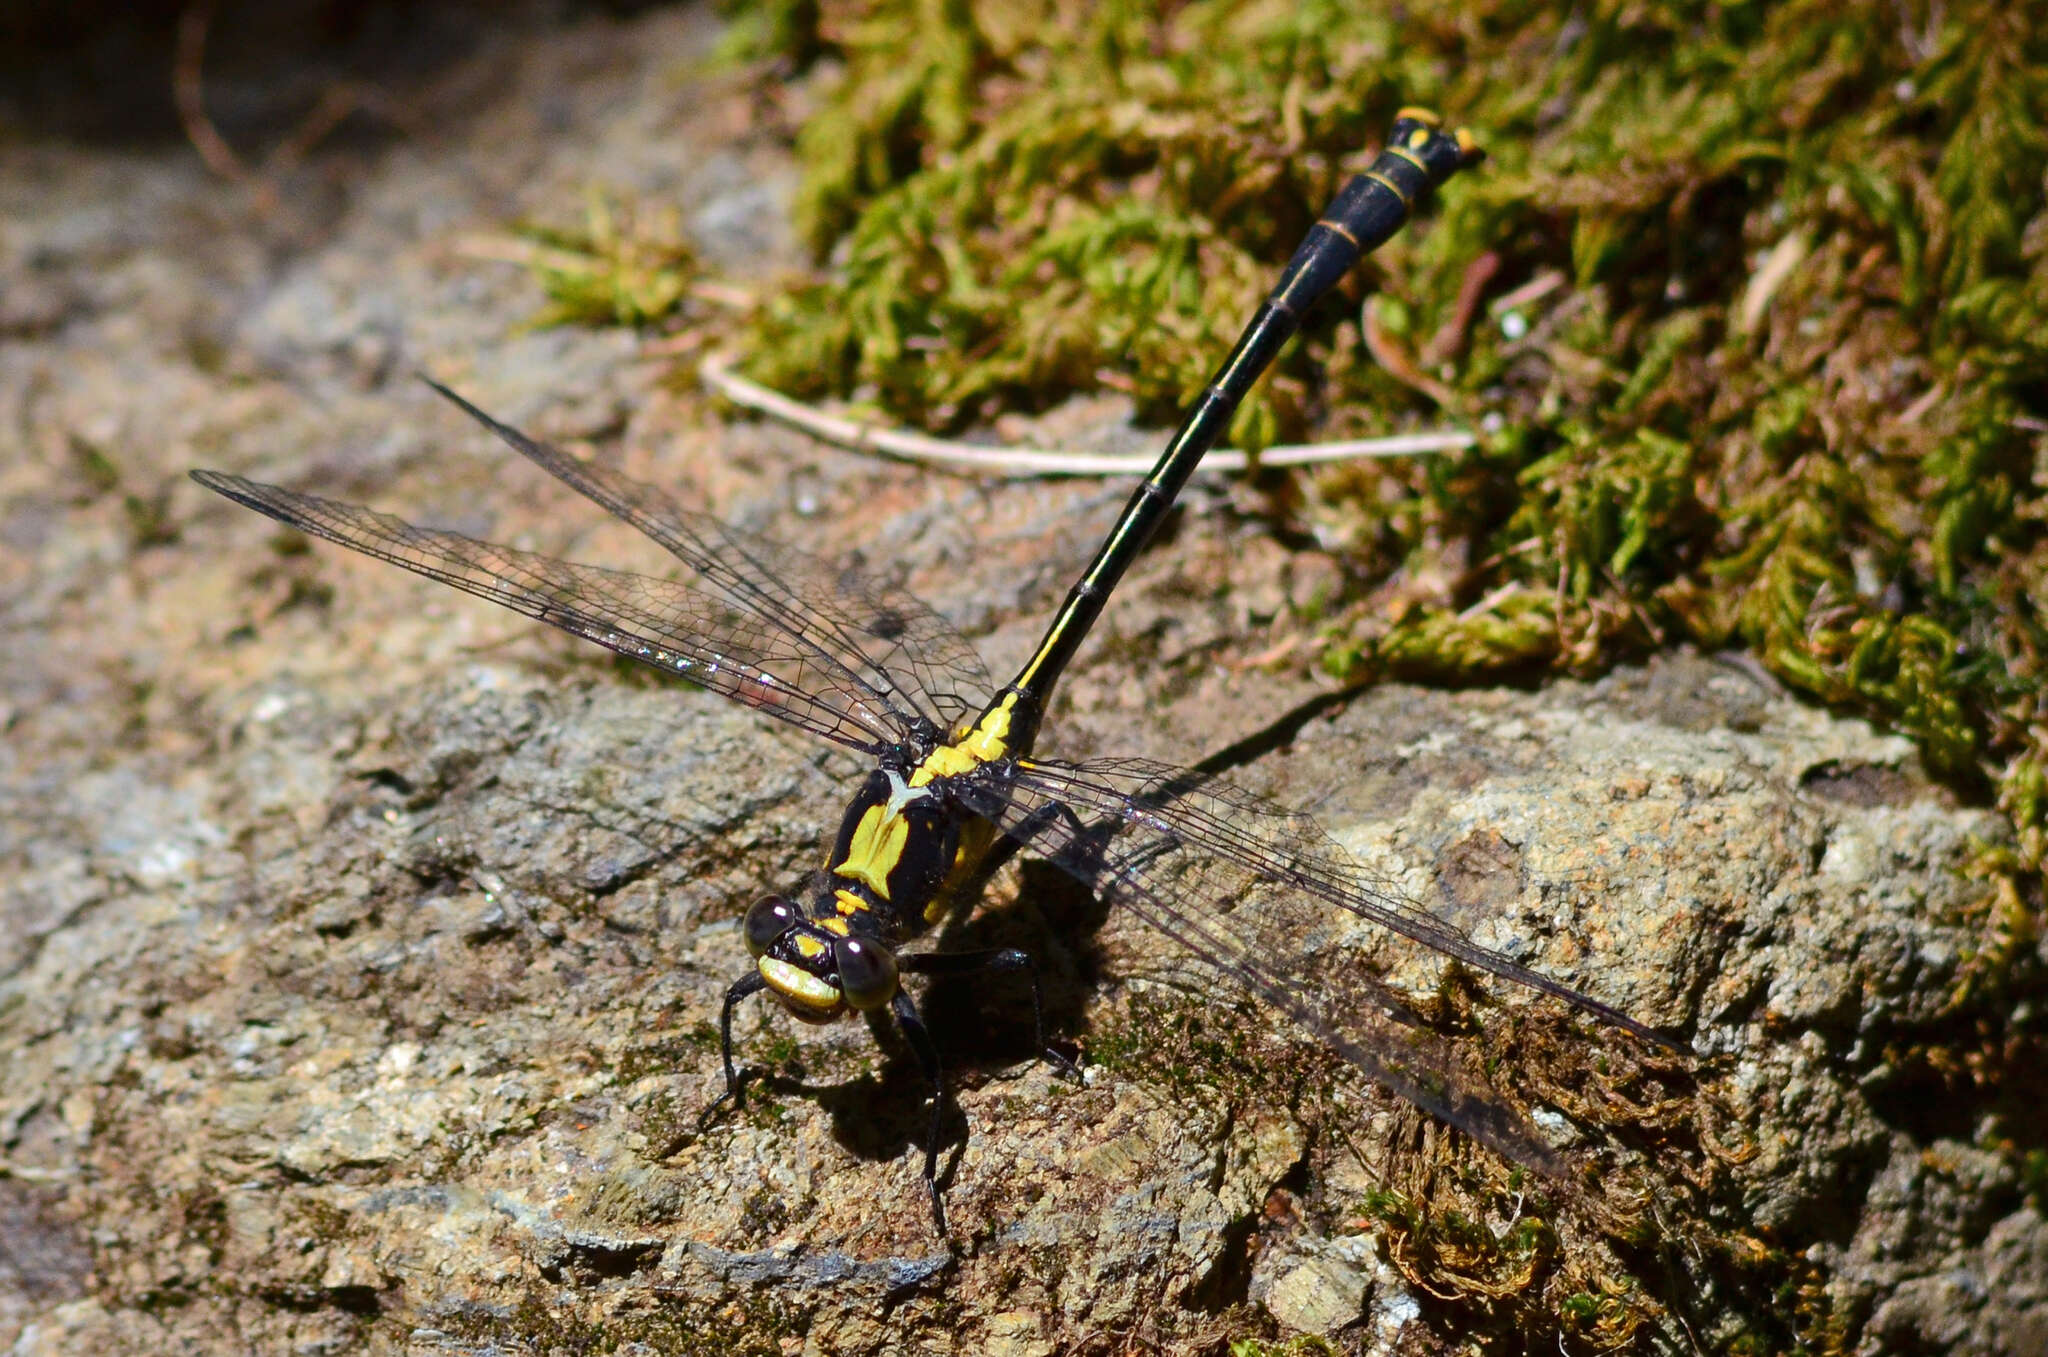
(1469,149)
(1421,131)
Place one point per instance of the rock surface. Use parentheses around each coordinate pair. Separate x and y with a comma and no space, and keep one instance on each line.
(362,943)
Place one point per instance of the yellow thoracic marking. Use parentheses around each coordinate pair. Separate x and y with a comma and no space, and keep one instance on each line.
(948,760)
(986,742)
(877,845)
(975,838)
(848,903)
(837,926)
(799,986)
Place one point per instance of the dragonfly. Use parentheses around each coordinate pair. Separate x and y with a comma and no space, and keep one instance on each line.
(1259,893)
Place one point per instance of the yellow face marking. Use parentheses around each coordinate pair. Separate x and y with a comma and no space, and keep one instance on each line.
(798,986)
(837,926)
(849,904)
(876,848)
(811,948)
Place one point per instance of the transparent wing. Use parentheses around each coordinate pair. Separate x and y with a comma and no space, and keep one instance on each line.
(665,623)
(888,647)
(1266,896)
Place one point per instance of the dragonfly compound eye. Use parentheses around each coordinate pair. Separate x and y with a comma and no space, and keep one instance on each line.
(867,972)
(767,920)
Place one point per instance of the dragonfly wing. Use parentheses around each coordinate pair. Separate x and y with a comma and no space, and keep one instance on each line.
(1244,840)
(665,623)
(883,640)
(1263,894)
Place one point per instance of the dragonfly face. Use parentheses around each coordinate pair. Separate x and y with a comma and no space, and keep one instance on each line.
(819,968)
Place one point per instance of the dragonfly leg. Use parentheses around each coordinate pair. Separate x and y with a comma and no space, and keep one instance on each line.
(735,1080)
(1079,831)
(995,959)
(920,1039)
(1001,851)
(1010,840)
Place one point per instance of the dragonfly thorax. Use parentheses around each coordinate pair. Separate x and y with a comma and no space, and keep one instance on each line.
(1005,729)
(896,843)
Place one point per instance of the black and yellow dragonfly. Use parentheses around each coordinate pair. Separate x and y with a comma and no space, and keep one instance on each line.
(1252,889)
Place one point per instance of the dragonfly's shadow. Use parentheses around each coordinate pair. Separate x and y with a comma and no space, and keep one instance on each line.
(981,1024)
(877,1115)
(1053,919)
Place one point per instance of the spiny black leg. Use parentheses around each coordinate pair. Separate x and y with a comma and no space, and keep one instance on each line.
(1010,840)
(750,983)
(1083,840)
(927,1054)
(995,959)
(1006,847)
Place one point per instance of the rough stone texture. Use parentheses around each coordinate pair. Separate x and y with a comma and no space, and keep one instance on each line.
(360,941)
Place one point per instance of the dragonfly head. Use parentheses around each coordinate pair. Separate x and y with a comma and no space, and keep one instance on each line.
(817,968)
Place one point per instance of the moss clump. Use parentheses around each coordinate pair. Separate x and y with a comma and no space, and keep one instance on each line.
(1203,1054)
(618,267)
(1025,201)
(1304,1346)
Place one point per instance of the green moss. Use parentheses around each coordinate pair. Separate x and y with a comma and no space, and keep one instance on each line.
(1200,1053)
(1307,1345)
(666,1055)
(620,267)
(2034,1177)
(95,468)
(1483,1241)
(1024,201)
